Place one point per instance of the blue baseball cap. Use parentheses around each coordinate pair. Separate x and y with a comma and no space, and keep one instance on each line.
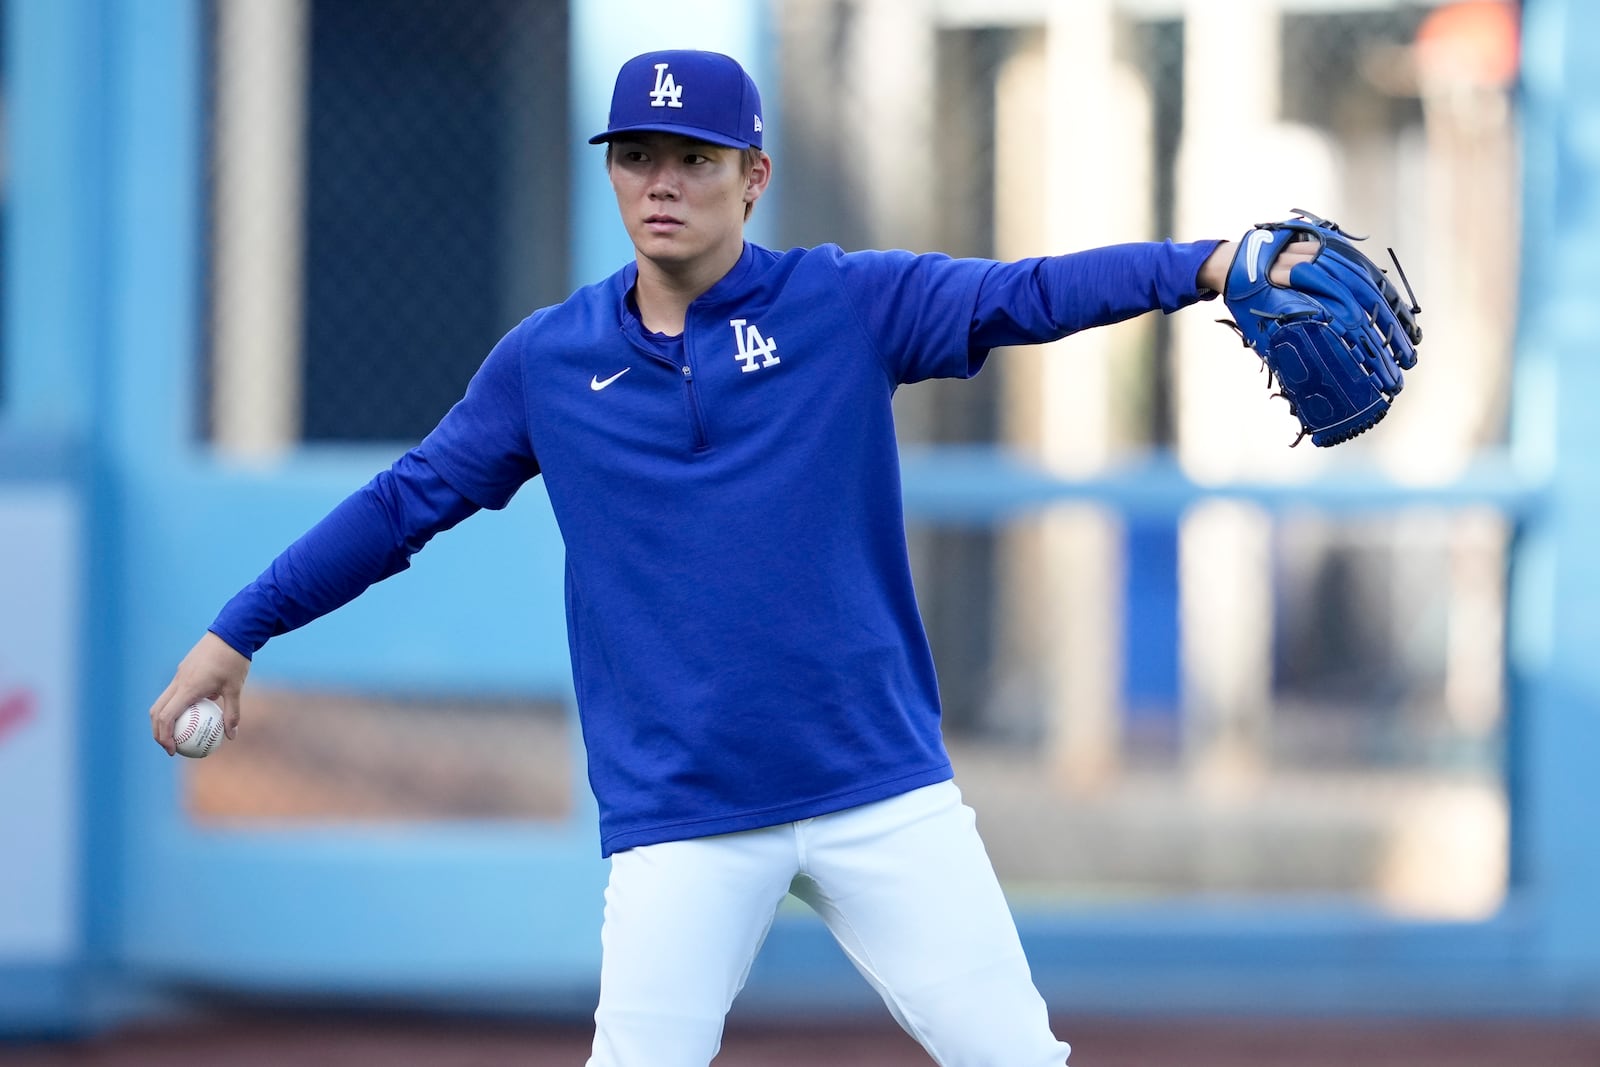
(704,95)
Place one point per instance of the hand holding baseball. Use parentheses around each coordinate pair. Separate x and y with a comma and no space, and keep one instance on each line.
(198,730)
(212,669)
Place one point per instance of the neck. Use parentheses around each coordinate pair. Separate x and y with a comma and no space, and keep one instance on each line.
(664,291)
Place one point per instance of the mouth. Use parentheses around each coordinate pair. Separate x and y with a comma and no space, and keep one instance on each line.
(662,223)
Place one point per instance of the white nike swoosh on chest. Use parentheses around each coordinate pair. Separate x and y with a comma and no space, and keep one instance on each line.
(596,384)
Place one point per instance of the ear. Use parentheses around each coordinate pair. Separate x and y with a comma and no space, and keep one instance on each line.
(756,179)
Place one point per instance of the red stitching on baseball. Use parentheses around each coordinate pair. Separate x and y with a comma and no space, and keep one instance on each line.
(190,727)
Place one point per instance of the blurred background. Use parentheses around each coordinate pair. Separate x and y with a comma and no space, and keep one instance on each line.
(1249,729)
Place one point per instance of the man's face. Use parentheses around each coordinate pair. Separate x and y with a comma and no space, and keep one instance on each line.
(682,200)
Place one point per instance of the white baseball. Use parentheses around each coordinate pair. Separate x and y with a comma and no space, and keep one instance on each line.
(198,730)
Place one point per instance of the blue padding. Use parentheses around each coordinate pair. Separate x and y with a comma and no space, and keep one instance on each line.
(43,1001)
(981,485)
(1247,956)
(478,613)
(386,910)
(1151,670)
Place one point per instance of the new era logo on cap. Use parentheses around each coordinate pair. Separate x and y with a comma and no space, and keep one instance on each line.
(704,95)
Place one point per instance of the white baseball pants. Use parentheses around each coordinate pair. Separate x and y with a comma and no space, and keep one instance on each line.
(906,888)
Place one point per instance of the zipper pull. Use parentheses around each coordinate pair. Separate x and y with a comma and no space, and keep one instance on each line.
(688,373)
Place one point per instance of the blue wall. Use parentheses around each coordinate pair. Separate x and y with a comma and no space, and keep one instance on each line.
(102,346)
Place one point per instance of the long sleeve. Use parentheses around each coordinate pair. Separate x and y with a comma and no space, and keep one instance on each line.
(1034,300)
(368,537)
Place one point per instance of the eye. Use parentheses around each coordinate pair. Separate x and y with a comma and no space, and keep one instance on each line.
(695,159)
(634,155)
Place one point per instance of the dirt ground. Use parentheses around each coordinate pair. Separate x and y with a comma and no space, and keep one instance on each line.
(257,1040)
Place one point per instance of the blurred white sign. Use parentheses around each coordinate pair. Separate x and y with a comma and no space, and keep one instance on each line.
(39,619)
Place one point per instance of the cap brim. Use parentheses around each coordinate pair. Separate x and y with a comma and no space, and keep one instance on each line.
(693,132)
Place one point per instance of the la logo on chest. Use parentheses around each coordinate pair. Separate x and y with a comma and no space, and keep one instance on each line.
(755,351)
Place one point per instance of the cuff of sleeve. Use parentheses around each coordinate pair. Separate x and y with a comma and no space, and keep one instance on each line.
(1206,248)
(241,624)
(233,642)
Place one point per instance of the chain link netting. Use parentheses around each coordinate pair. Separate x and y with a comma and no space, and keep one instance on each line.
(428,213)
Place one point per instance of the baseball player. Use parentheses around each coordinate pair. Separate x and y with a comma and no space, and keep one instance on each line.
(754,686)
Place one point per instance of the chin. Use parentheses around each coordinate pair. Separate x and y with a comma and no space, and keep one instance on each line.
(666,250)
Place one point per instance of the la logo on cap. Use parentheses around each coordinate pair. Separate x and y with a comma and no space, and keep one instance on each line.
(722,108)
(667,92)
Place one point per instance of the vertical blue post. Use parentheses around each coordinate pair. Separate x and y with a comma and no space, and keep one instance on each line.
(57,93)
(142,379)
(1151,637)
(1556,621)
(55,221)
(149,372)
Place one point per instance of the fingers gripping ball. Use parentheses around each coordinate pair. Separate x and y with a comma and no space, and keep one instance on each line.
(198,730)
(1336,338)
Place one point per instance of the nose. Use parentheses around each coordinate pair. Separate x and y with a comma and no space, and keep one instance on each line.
(663,182)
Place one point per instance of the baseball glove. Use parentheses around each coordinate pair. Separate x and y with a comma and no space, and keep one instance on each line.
(1335,340)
